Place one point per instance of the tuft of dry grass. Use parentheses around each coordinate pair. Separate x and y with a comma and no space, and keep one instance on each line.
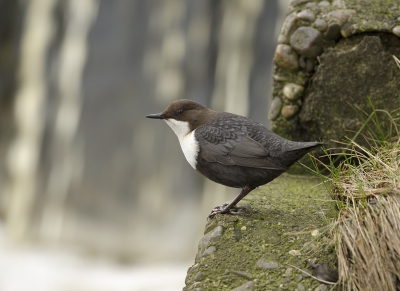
(368,247)
(367,230)
(371,172)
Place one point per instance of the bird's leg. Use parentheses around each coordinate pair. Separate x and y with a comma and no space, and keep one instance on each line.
(226,207)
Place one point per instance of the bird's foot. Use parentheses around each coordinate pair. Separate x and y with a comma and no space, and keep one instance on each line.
(223,209)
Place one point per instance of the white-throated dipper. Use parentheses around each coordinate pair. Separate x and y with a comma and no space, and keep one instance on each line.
(230,149)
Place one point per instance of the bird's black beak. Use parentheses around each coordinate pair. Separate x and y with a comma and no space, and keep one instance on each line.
(155,116)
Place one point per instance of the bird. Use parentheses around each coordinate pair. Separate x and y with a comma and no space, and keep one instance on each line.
(230,149)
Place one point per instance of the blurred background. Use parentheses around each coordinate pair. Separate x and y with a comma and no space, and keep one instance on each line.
(94,196)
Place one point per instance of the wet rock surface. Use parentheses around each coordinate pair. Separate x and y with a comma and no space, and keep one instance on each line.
(252,250)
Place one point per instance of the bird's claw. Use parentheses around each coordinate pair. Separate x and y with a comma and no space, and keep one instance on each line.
(223,210)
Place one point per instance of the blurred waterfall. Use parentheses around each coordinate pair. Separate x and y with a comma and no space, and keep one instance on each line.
(236,55)
(24,153)
(65,154)
(85,167)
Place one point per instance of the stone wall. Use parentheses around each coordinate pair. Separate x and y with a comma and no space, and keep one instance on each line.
(333,59)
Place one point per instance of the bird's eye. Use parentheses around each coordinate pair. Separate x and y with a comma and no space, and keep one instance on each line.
(180,111)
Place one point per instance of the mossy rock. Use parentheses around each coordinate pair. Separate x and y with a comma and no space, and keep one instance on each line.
(354,67)
(265,246)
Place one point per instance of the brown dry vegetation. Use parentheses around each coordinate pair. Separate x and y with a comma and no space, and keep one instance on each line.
(367,230)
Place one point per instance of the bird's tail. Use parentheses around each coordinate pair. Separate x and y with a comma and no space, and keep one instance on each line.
(298,150)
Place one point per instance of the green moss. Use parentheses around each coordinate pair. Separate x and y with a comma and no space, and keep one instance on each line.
(277,218)
(372,15)
(286,127)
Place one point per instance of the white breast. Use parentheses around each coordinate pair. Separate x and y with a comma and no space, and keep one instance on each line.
(189,144)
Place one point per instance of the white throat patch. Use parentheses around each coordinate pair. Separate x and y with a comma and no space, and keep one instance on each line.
(189,144)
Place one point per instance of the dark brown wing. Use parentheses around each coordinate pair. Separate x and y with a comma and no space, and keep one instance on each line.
(231,148)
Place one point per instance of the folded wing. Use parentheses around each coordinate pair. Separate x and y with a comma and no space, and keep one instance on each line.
(234,148)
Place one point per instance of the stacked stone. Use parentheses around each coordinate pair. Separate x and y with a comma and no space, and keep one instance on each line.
(308,29)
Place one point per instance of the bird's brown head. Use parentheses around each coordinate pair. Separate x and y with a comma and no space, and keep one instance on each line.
(186,111)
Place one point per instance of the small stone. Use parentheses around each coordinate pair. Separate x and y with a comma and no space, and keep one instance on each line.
(289,110)
(315,232)
(248,286)
(307,42)
(311,4)
(217,233)
(338,3)
(321,287)
(348,30)
(242,274)
(398,18)
(320,24)
(190,272)
(200,276)
(209,251)
(299,278)
(324,4)
(293,91)
(279,78)
(294,253)
(262,264)
(286,57)
(275,108)
(340,16)
(301,287)
(306,15)
(288,272)
(333,31)
(211,236)
(396,30)
(211,224)
(192,269)
(288,26)
(243,228)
